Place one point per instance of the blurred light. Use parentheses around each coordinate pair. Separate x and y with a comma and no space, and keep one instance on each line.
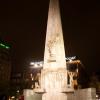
(96,96)
(17,91)
(31,74)
(13,97)
(32,86)
(31,63)
(41,64)
(71,58)
(4,46)
(32,78)
(35,65)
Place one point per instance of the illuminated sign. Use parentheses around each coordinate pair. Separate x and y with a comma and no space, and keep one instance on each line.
(4,46)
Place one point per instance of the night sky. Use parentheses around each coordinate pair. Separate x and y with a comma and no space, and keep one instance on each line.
(23,25)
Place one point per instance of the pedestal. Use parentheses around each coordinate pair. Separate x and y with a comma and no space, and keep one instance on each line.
(54,85)
(54,80)
(54,96)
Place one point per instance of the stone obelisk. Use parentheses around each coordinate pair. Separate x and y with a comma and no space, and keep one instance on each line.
(54,79)
(54,57)
(53,82)
(54,73)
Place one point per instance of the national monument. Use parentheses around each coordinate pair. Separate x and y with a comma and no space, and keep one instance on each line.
(53,81)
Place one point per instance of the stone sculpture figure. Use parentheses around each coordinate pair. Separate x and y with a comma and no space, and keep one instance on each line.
(73,78)
(38,80)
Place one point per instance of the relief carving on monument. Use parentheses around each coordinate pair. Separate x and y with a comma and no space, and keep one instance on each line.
(52,45)
(56,80)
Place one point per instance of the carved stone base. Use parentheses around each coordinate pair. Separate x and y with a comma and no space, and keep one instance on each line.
(54,79)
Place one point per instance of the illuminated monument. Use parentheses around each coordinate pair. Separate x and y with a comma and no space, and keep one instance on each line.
(54,57)
(53,81)
(54,74)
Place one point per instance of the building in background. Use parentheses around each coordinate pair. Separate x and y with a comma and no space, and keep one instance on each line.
(5,66)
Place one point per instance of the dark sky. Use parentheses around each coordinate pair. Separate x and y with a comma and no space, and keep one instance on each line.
(23,25)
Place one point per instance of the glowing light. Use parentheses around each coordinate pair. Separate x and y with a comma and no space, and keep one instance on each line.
(31,74)
(31,63)
(71,58)
(13,97)
(32,78)
(41,64)
(4,46)
(96,96)
(17,91)
(35,65)
(32,86)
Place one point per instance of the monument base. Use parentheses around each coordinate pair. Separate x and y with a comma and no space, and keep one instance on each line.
(54,96)
(61,90)
(54,79)
(29,94)
(81,94)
